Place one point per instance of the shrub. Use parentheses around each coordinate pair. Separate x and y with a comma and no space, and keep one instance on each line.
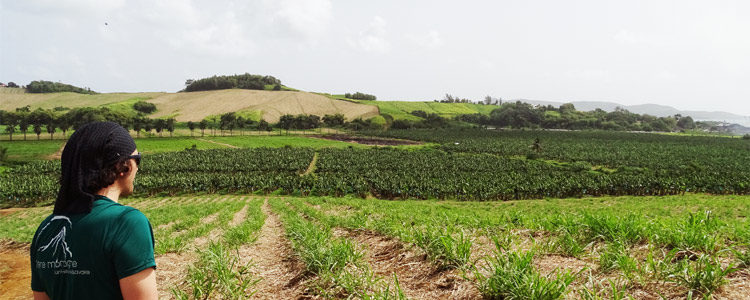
(144,107)
(3,154)
(41,86)
(360,96)
(244,81)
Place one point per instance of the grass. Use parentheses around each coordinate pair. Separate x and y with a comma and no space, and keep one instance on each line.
(402,109)
(31,149)
(281,141)
(627,245)
(166,144)
(71,100)
(512,275)
(217,274)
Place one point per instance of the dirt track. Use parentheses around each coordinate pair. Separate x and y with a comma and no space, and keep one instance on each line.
(282,275)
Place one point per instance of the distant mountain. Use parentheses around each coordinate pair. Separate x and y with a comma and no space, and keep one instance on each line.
(651,109)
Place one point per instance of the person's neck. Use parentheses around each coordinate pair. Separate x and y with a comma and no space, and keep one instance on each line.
(111,192)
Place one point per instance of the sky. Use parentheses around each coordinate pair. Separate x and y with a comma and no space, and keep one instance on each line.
(693,55)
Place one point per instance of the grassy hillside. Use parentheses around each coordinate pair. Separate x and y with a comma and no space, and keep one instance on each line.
(11,98)
(402,109)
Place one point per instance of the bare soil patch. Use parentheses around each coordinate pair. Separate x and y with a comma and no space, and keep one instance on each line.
(7,211)
(194,106)
(418,277)
(15,271)
(218,143)
(238,217)
(171,271)
(366,140)
(56,155)
(281,275)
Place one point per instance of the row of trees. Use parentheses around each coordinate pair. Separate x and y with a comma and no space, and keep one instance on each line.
(42,86)
(523,115)
(360,96)
(244,81)
(48,121)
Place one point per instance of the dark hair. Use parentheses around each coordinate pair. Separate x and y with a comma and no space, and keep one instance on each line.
(99,179)
(93,157)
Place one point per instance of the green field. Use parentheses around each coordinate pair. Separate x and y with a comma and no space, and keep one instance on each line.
(402,109)
(31,149)
(281,141)
(591,248)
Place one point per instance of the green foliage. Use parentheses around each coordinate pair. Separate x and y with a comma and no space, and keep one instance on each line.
(3,154)
(702,277)
(244,81)
(217,274)
(144,107)
(360,96)
(512,276)
(41,86)
(301,121)
(444,246)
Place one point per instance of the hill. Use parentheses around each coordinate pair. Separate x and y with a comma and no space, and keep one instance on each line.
(194,106)
(651,109)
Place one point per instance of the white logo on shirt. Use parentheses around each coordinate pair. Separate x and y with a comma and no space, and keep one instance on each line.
(58,243)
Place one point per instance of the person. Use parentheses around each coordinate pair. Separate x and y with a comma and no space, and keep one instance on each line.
(92,247)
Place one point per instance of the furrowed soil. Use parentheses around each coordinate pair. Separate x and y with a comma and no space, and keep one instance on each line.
(417,276)
(273,261)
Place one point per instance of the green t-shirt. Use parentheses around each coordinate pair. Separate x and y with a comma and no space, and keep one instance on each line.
(84,256)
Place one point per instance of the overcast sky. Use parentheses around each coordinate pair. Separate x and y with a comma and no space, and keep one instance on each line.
(687,54)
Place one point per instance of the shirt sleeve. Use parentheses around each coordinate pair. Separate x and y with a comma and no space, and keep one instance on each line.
(133,245)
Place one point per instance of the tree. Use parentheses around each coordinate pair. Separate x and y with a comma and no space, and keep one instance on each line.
(227,121)
(12,84)
(148,124)
(263,125)
(50,126)
(159,125)
(137,126)
(23,124)
(38,118)
(64,123)
(10,120)
(144,107)
(335,120)
(189,82)
(37,130)
(203,124)
(686,123)
(191,126)
(170,126)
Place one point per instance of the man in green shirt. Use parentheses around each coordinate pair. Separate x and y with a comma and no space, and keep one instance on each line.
(91,247)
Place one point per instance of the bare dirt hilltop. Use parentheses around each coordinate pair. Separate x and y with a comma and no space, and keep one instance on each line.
(195,106)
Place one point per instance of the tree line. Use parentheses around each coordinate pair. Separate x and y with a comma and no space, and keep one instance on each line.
(523,115)
(42,86)
(243,81)
(24,121)
(360,96)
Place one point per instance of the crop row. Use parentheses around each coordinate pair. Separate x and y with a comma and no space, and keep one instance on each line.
(693,252)
(480,165)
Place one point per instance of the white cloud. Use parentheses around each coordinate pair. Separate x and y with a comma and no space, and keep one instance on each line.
(373,39)
(432,39)
(626,37)
(66,8)
(300,18)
